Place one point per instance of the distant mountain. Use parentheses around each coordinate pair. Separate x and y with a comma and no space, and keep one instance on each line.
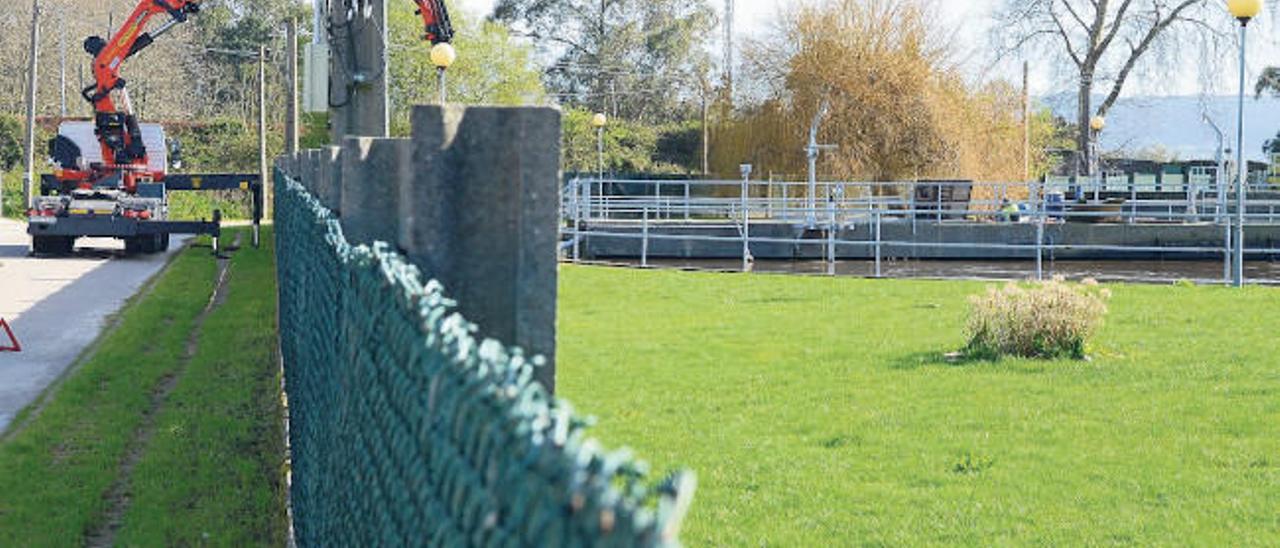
(1176,124)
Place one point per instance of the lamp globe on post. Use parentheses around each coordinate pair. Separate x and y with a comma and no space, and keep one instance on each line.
(1096,124)
(443,56)
(1244,11)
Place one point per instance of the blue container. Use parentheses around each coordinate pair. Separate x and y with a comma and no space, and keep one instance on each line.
(1055,204)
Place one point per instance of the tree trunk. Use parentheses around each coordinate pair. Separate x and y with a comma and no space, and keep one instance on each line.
(1084,112)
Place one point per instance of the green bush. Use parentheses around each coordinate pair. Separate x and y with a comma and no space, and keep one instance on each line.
(12,189)
(1048,320)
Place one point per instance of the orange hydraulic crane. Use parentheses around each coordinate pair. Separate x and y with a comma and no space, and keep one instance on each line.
(435,18)
(117,129)
(123,193)
(123,151)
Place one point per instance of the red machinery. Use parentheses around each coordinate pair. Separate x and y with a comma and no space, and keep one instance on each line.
(123,192)
(435,18)
(123,152)
(109,184)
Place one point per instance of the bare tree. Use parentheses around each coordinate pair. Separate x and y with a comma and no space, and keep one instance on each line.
(1105,41)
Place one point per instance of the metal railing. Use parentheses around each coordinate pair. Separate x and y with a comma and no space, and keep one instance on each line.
(636,209)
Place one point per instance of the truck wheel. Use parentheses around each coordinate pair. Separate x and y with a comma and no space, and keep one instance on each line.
(52,245)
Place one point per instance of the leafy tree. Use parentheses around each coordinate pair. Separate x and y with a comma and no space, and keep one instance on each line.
(1272,146)
(897,109)
(11,136)
(1104,42)
(635,59)
(491,68)
(629,147)
(1269,82)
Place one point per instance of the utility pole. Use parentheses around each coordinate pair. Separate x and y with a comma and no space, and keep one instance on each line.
(291,117)
(728,48)
(262,126)
(62,60)
(359,71)
(1026,122)
(28,179)
(706,134)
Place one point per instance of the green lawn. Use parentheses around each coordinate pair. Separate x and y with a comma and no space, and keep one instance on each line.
(208,470)
(818,411)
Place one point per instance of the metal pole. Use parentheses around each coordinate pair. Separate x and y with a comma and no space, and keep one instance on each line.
(292,116)
(746,221)
(1095,167)
(1040,219)
(1222,217)
(1026,122)
(878,240)
(706,136)
(831,234)
(644,242)
(440,83)
(1242,167)
(686,201)
(577,219)
(600,154)
(29,150)
(810,203)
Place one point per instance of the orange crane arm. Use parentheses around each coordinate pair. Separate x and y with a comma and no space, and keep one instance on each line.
(128,41)
(435,19)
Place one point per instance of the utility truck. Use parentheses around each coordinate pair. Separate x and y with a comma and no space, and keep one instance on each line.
(111,176)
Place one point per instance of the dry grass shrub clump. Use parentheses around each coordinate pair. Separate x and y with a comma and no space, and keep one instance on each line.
(1051,319)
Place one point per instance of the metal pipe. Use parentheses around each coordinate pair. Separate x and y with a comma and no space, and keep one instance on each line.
(831,234)
(879,220)
(1040,220)
(746,219)
(644,244)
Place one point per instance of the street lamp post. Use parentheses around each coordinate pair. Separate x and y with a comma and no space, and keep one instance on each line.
(599,121)
(1095,163)
(1244,11)
(442,56)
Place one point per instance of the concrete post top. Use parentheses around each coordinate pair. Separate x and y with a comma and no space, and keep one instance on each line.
(361,147)
(434,121)
(452,108)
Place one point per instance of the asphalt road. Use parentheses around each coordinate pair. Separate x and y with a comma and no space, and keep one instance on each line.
(58,306)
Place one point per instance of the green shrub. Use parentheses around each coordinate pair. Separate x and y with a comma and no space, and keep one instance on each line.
(1049,320)
(11,203)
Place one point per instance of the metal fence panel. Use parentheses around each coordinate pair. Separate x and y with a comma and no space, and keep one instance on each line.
(406,429)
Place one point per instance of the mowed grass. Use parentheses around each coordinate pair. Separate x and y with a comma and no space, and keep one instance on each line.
(211,470)
(819,411)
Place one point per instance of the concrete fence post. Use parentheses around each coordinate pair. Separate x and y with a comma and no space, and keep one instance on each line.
(373,170)
(482,218)
(311,172)
(328,186)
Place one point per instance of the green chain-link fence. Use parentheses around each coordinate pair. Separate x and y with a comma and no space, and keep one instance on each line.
(406,429)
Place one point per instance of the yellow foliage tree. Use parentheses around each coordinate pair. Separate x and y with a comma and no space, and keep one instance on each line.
(898,109)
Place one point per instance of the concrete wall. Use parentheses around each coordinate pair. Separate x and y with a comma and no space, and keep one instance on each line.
(472,199)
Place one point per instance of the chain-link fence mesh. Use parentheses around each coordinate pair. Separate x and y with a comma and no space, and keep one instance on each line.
(406,429)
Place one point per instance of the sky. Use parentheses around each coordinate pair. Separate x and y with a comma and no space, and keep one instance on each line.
(974,21)
(1132,121)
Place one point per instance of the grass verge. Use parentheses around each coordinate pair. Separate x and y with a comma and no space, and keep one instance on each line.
(209,470)
(821,411)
